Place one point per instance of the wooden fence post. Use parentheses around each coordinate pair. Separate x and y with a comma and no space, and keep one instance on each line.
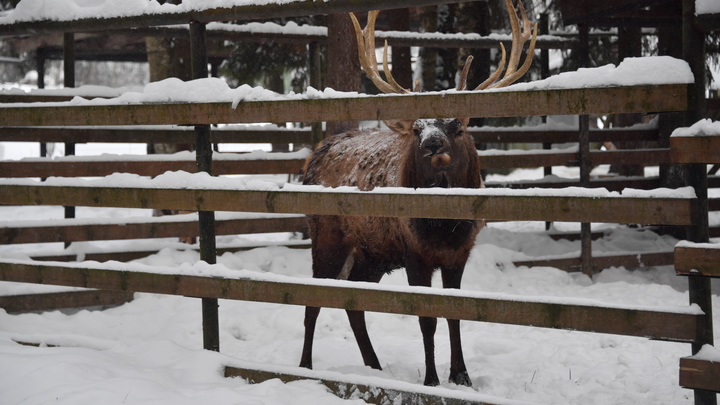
(206,219)
(698,287)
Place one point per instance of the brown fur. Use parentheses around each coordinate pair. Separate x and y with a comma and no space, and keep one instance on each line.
(418,154)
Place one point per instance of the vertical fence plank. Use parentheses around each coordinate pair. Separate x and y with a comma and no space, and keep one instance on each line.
(699,287)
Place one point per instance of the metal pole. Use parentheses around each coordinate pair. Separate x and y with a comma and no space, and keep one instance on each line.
(584,156)
(544,74)
(203,150)
(69,81)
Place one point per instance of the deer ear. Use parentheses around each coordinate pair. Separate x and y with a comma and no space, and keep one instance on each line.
(400,126)
(465,121)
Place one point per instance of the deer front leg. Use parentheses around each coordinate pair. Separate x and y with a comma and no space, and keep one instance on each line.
(458,372)
(420,274)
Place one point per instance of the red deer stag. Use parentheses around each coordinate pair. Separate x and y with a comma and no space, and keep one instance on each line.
(414,153)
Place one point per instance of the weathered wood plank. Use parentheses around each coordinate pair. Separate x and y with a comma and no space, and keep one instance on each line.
(695,149)
(179,135)
(541,158)
(61,300)
(699,374)
(697,261)
(672,326)
(651,98)
(64,232)
(527,135)
(371,394)
(630,261)
(479,204)
(60,168)
(128,255)
(146,135)
(247,12)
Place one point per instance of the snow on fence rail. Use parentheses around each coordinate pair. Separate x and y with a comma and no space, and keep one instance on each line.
(66,16)
(156,134)
(203,280)
(195,192)
(269,108)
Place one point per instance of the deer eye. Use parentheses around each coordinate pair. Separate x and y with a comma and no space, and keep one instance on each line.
(460,133)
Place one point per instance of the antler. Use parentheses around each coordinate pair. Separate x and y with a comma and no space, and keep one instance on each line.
(368,60)
(518,42)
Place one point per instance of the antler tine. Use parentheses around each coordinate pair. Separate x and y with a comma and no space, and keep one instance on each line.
(368,60)
(490,80)
(529,30)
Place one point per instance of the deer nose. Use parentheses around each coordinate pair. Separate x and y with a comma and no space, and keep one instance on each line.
(433,145)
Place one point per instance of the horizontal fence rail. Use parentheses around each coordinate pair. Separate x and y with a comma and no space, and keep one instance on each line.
(529,135)
(60,168)
(302,136)
(150,135)
(65,230)
(479,204)
(661,325)
(248,12)
(89,168)
(694,149)
(608,100)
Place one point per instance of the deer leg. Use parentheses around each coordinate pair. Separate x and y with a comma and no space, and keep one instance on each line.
(329,257)
(311,315)
(357,323)
(420,274)
(458,372)
(362,272)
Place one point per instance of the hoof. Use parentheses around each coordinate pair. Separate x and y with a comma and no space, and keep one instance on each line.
(462,379)
(432,380)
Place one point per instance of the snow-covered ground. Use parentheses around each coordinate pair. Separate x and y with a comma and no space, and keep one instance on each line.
(149,351)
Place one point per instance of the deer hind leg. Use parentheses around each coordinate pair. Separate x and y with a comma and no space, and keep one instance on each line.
(458,372)
(362,272)
(329,255)
(419,274)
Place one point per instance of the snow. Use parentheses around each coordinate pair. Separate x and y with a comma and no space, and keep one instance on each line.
(630,72)
(704,127)
(708,353)
(179,156)
(203,181)
(654,70)
(707,7)
(68,10)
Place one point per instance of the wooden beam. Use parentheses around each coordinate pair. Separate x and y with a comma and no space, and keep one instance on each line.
(554,136)
(477,204)
(608,100)
(248,12)
(128,255)
(699,374)
(630,261)
(66,231)
(671,326)
(347,387)
(697,261)
(64,168)
(542,158)
(60,300)
(149,134)
(695,149)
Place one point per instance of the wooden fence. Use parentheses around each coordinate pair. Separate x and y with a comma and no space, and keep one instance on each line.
(681,325)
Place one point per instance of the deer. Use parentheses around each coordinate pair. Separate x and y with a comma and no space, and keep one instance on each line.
(417,153)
